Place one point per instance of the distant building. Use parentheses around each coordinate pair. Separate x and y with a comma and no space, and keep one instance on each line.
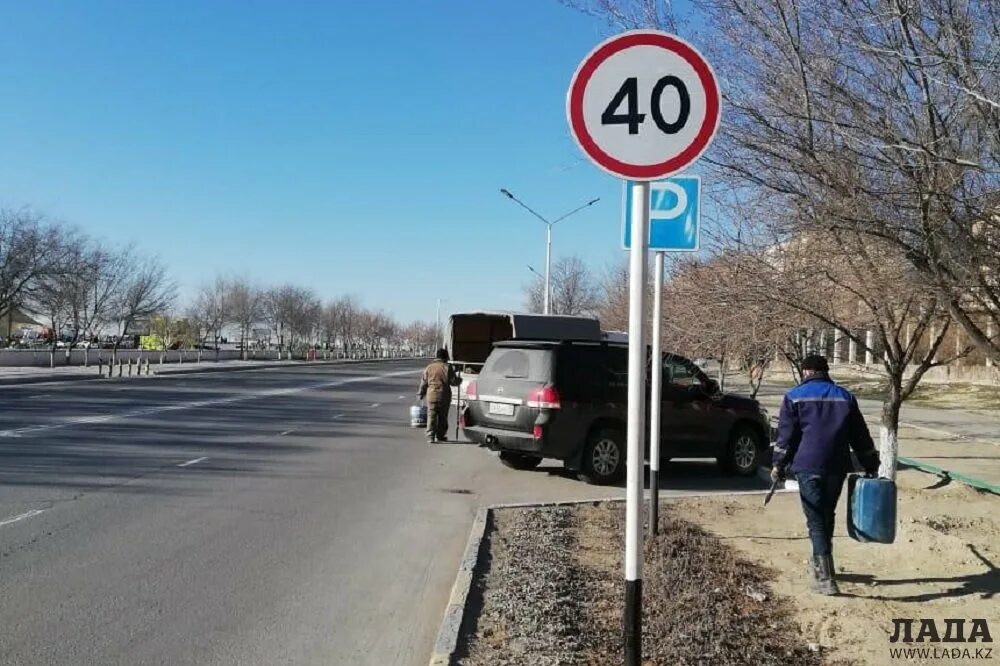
(14,321)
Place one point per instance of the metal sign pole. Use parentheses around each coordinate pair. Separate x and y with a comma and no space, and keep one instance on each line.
(655,399)
(636,423)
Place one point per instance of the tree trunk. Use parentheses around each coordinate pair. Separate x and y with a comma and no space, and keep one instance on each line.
(888,448)
(757,371)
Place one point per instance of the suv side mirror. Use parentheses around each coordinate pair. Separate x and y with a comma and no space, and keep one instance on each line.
(712,388)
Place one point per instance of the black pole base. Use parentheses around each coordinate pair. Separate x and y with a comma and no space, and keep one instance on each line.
(633,622)
(654,502)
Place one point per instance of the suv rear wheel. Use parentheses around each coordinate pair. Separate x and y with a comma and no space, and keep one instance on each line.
(743,452)
(604,457)
(519,460)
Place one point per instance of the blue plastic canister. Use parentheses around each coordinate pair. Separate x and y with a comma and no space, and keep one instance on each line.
(418,416)
(871,512)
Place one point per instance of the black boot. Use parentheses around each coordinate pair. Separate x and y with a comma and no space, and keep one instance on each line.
(825,583)
(813,575)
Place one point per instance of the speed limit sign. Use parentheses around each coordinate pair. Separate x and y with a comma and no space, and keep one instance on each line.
(643,105)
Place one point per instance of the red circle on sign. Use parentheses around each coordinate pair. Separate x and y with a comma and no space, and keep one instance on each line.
(678,162)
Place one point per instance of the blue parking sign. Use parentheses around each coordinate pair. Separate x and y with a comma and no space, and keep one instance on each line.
(674,214)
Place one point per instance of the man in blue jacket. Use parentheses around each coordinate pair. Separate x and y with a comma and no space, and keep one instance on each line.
(819,424)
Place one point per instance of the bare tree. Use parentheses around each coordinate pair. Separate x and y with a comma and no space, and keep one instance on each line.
(348,315)
(101,278)
(329,324)
(573,289)
(52,294)
(275,309)
(144,290)
(854,284)
(213,310)
(30,249)
(871,127)
(420,338)
(613,295)
(879,118)
(163,328)
(708,312)
(367,328)
(293,314)
(629,14)
(304,312)
(245,301)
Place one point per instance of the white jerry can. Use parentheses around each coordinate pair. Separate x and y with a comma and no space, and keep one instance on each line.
(418,416)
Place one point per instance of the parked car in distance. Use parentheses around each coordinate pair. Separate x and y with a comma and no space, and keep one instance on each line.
(568,401)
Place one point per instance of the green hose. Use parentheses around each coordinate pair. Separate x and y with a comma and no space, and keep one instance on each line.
(968,480)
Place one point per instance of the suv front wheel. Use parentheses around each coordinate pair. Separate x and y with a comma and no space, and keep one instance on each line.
(743,452)
(604,457)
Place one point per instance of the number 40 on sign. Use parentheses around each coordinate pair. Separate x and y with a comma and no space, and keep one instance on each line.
(643,105)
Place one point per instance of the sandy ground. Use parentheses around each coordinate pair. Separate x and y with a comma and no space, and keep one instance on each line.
(942,565)
(953,395)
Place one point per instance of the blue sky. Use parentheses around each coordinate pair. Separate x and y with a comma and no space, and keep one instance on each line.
(352,147)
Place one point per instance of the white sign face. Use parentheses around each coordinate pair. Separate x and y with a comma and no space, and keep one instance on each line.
(643,105)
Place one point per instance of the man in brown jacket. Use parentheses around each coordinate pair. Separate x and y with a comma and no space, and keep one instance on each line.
(435,387)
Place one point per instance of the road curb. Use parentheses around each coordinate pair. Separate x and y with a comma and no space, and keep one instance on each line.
(454,615)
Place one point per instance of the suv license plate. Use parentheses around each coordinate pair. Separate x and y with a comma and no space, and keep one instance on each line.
(501,408)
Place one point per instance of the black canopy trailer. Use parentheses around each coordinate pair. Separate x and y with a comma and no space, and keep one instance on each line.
(471,335)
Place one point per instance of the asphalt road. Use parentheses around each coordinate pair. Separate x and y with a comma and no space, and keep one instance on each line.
(284,516)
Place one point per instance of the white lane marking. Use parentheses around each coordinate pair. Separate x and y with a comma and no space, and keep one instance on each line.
(104,418)
(193,462)
(23,516)
(286,432)
(402,397)
(336,416)
(376,404)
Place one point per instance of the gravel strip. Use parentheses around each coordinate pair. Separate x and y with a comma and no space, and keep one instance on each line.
(552,593)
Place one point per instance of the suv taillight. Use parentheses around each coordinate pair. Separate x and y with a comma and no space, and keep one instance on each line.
(472,391)
(545,397)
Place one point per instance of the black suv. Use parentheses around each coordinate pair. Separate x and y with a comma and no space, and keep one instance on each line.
(567,400)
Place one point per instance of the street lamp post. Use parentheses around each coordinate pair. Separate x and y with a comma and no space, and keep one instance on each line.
(547,307)
(439,338)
